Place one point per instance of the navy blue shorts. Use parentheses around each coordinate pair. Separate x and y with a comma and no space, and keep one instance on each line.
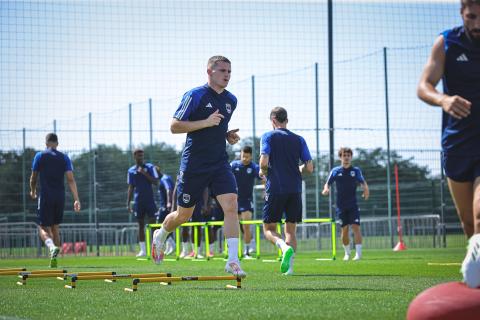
(348,216)
(245,205)
(191,185)
(161,215)
(461,169)
(277,204)
(50,209)
(197,215)
(144,208)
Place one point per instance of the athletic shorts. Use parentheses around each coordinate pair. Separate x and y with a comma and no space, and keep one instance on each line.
(197,215)
(161,214)
(461,169)
(245,205)
(145,208)
(191,185)
(50,209)
(348,216)
(277,204)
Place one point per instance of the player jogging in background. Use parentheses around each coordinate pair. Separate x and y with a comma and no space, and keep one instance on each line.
(281,151)
(52,166)
(245,172)
(140,179)
(204,114)
(165,197)
(347,178)
(455,58)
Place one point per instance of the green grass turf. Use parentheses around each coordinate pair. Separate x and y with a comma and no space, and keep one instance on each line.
(380,286)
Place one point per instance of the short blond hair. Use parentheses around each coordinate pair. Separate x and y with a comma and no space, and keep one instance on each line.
(212,62)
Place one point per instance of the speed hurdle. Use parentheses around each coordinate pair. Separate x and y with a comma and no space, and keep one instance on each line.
(258,225)
(136,281)
(39,274)
(114,277)
(11,271)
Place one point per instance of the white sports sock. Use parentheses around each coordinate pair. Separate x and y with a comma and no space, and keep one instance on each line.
(232,244)
(162,235)
(186,247)
(281,244)
(211,247)
(252,244)
(49,243)
(358,249)
(347,249)
(142,246)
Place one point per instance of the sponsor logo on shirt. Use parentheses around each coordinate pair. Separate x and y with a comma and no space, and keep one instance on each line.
(228,106)
(462,58)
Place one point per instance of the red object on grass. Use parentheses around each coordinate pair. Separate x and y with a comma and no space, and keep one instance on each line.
(400,245)
(446,301)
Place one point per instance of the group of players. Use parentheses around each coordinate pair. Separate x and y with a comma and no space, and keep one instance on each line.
(204,114)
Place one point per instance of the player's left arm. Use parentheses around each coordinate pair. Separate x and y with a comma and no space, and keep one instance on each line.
(363,183)
(232,136)
(151,174)
(73,188)
(307,166)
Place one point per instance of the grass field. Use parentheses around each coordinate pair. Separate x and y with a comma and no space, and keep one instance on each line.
(380,286)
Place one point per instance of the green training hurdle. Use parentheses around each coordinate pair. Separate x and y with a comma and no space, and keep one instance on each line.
(258,224)
(136,281)
(114,277)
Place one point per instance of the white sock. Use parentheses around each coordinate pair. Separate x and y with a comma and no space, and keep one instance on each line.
(282,245)
(162,236)
(252,244)
(347,249)
(211,247)
(186,247)
(142,246)
(358,249)
(232,244)
(49,243)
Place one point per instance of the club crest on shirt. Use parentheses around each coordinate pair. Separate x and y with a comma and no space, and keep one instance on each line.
(249,170)
(266,196)
(186,198)
(352,173)
(228,106)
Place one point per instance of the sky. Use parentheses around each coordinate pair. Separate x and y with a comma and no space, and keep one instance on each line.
(61,60)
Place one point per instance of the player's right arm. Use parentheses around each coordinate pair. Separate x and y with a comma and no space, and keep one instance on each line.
(129,191)
(34,175)
(433,71)
(181,123)
(179,126)
(326,187)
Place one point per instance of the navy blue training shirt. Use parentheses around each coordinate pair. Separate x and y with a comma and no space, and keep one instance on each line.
(205,149)
(285,150)
(245,176)
(143,188)
(346,181)
(52,165)
(461,77)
